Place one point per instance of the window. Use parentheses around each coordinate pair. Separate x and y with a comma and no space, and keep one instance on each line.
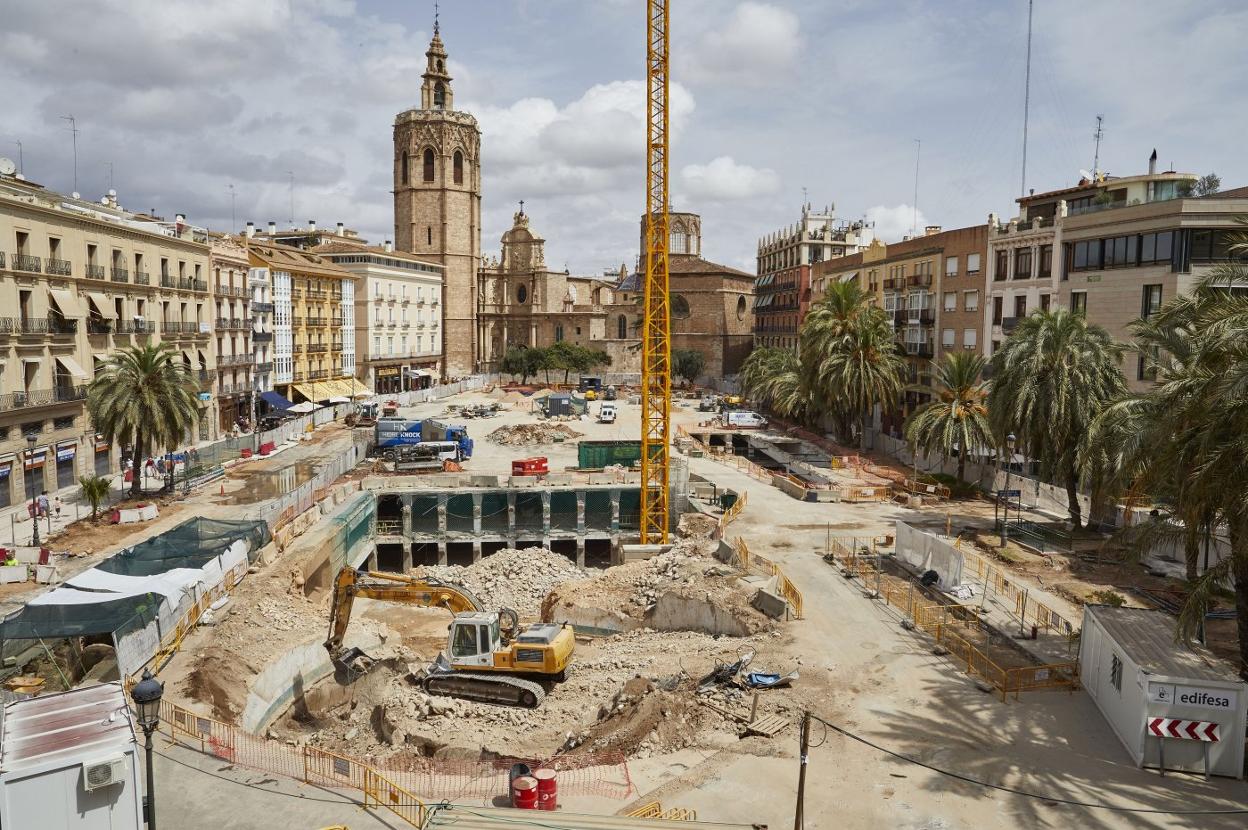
(465,642)
(458,167)
(522,293)
(558,334)
(951,266)
(997,305)
(969,338)
(951,301)
(972,263)
(404,171)
(377,345)
(1044,302)
(970,301)
(947,338)
(429,234)
(1079,302)
(1022,264)
(680,307)
(1115,672)
(1046,261)
(1150,303)
(1087,255)
(621,328)
(428,165)
(1003,265)
(1020,305)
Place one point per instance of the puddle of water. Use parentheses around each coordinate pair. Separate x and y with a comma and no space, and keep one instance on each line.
(264,485)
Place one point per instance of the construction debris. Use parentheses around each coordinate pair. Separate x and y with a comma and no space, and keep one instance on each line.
(516,579)
(530,435)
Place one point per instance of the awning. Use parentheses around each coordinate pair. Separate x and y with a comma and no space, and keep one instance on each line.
(102,305)
(69,365)
(301,408)
(66,302)
(275,400)
(314,391)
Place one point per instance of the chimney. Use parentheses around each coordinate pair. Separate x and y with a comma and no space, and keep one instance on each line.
(1152,162)
(272,228)
(389,247)
(312,225)
(340,230)
(251,229)
(931,230)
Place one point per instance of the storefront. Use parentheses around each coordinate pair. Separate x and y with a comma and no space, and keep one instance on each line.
(387,380)
(102,447)
(66,476)
(33,462)
(6,482)
(419,377)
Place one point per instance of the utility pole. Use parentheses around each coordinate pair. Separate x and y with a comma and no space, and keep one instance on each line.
(1022,188)
(73,128)
(21,164)
(798,817)
(914,217)
(1098,135)
(109,165)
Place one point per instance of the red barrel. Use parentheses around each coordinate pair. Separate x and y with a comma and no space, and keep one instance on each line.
(547,789)
(524,793)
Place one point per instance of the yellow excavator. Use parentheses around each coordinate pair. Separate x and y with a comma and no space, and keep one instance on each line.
(489,658)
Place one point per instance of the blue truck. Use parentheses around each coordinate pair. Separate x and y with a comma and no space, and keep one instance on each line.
(397,432)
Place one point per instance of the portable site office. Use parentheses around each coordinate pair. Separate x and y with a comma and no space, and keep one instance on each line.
(1144,682)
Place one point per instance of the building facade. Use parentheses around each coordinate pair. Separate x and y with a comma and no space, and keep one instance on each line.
(785,259)
(437,202)
(80,280)
(233,332)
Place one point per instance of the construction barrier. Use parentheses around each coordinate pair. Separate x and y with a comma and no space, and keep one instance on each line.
(404,788)
(655,810)
(764,565)
(730,515)
(1026,607)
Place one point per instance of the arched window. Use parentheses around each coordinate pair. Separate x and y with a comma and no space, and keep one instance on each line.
(741,307)
(404,177)
(622,327)
(459,167)
(428,165)
(680,307)
(439,95)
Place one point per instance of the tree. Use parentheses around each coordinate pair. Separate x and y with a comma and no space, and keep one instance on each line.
(688,364)
(959,415)
(858,371)
(1052,377)
(145,397)
(522,361)
(1208,184)
(772,378)
(94,489)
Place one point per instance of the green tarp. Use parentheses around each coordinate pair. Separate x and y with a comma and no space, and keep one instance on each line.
(191,544)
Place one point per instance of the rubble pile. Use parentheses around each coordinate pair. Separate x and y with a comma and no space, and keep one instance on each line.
(530,435)
(697,525)
(516,579)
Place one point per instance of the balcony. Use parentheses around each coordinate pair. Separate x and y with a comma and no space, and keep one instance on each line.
(404,301)
(316,294)
(42,397)
(296,322)
(38,325)
(199,285)
(318,322)
(99,326)
(227,323)
(894,283)
(920,317)
(298,376)
(264,367)
(919,280)
(142,278)
(134,327)
(262,337)
(1,259)
(318,374)
(185,283)
(166,281)
(919,349)
(1008,324)
(25,262)
(262,308)
(316,348)
(233,360)
(59,267)
(119,275)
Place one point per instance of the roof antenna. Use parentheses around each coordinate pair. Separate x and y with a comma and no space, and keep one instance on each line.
(1096,159)
(435,16)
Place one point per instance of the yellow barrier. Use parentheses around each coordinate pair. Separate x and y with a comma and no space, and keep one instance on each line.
(172,641)
(380,791)
(786,587)
(1026,607)
(655,810)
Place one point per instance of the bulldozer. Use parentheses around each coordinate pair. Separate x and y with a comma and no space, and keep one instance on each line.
(489,658)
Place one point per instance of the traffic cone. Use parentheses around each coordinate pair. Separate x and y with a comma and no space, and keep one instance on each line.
(223,488)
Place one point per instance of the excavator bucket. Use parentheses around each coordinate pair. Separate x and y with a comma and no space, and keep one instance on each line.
(353,662)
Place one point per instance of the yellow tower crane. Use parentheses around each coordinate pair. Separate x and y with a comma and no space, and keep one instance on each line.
(656,346)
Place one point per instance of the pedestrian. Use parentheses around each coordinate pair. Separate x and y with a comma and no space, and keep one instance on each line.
(43,503)
(56,507)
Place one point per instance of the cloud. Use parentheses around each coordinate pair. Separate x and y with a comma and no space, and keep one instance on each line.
(892,223)
(725,180)
(758,45)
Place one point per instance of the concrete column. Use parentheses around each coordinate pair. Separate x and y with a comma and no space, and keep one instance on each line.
(442,554)
(372,559)
(615,511)
(442,497)
(476,515)
(580,551)
(511,513)
(546,513)
(407,529)
(407,556)
(580,511)
(476,551)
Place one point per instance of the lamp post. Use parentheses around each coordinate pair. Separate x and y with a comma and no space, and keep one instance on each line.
(146,695)
(31,438)
(1009,459)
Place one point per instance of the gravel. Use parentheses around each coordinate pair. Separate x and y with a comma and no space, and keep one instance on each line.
(517,579)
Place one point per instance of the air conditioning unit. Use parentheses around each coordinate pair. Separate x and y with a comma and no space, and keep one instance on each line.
(98,774)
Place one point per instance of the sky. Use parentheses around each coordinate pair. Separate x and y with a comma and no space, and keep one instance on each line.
(206,108)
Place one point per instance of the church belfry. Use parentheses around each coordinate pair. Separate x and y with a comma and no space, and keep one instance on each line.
(437,203)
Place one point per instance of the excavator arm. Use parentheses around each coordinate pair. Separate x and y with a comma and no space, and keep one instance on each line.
(423,593)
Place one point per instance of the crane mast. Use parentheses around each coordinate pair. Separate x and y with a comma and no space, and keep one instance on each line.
(656,365)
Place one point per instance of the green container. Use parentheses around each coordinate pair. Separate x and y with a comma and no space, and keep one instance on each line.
(596,454)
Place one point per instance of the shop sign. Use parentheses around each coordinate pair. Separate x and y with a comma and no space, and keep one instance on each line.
(1203,697)
(36,458)
(205,396)
(65,452)
(387,372)
(6,469)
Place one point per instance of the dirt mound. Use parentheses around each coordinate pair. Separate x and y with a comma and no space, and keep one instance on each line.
(517,579)
(531,435)
(697,524)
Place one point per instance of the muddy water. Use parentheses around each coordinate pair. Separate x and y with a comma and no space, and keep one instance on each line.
(263,485)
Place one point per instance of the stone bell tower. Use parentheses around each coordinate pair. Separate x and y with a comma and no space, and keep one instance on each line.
(437,202)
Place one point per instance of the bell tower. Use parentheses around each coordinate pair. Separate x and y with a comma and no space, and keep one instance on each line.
(437,203)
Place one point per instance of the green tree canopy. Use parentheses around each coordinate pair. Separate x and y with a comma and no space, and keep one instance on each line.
(688,364)
(958,418)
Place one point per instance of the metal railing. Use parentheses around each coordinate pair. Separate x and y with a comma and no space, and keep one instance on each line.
(166,281)
(318,321)
(43,397)
(264,367)
(134,327)
(199,285)
(318,374)
(26,262)
(38,325)
(119,275)
(142,278)
(262,308)
(59,267)
(754,561)
(261,336)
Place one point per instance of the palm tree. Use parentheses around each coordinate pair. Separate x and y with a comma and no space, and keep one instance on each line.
(94,489)
(1053,376)
(772,377)
(959,416)
(145,397)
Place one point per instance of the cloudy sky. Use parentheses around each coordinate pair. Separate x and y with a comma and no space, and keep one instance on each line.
(185,98)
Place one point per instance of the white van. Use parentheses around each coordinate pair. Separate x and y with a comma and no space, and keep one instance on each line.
(744,420)
(606,413)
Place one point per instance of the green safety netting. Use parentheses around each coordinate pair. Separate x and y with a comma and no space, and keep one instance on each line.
(191,544)
(117,616)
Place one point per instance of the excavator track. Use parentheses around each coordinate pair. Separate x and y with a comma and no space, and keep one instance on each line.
(499,689)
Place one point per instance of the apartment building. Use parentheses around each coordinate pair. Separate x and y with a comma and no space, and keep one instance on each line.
(313,336)
(232,331)
(397,314)
(78,280)
(785,258)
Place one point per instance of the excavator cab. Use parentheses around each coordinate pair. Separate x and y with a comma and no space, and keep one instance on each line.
(474,639)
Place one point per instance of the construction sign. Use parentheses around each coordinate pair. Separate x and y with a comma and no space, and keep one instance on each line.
(1188,730)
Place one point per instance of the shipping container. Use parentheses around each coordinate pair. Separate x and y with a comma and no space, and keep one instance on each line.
(596,454)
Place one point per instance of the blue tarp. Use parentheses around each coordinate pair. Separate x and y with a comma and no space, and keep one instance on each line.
(275,400)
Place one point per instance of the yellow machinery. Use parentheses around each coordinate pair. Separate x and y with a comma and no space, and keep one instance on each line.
(656,347)
(488,657)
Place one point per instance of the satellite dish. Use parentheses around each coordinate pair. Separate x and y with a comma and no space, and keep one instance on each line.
(1086,175)
(7,167)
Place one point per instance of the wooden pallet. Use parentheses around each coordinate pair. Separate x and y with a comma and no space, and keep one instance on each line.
(769,726)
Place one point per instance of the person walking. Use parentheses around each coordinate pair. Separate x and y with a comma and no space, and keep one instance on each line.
(56,507)
(43,503)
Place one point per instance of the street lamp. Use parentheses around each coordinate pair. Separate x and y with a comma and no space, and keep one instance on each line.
(31,438)
(1009,459)
(146,695)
